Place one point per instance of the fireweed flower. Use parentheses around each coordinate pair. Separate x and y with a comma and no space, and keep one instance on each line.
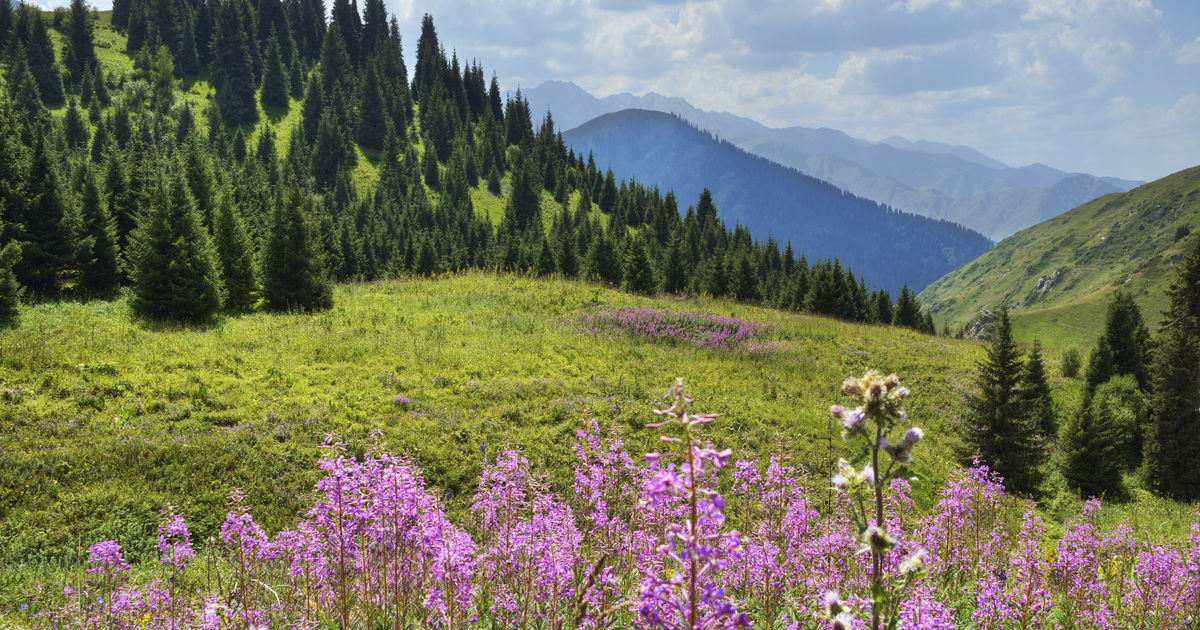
(683,593)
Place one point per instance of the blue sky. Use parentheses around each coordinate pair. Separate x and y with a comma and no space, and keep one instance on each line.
(1108,87)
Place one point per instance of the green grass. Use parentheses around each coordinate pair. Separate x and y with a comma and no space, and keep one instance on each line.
(1121,240)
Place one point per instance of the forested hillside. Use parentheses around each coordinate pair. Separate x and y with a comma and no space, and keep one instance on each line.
(233,155)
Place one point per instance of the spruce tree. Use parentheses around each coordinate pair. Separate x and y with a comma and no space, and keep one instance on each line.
(312,108)
(175,275)
(295,79)
(336,67)
(372,124)
(275,81)
(882,308)
(138,28)
(1090,462)
(74,128)
(235,255)
(232,66)
(638,272)
(189,53)
(743,282)
(120,12)
(716,275)
(568,254)
(908,310)
(524,202)
(99,268)
(27,98)
(1100,365)
(602,263)
(29,28)
(608,194)
(294,276)
(81,47)
(1128,338)
(100,88)
(1171,453)
(1033,390)
(426,263)
(1125,403)
(47,249)
(493,184)
(545,262)
(674,273)
(998,430)
(10,290)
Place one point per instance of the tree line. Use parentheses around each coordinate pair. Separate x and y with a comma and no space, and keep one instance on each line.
(202,206)
(1139,411)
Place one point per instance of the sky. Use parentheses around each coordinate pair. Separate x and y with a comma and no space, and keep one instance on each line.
(1107,87)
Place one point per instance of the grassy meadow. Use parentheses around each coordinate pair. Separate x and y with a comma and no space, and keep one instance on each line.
(106,420)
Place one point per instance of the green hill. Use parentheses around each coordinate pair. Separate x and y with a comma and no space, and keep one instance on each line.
(1057,276)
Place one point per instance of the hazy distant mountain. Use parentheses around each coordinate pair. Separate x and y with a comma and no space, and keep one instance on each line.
(819,219)
(927,178)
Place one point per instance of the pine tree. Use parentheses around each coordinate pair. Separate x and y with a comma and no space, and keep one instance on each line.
(235,256)
(10,290)
(998,430)
(336,66)
(120,12)
(638,272)
(1100,365)
(1033,390)
(743,282)
(312,108)
(1126,405)
(275,81)
(568,254)
(295,79)
(883,307)
(47,249)
(524,203)
(100,88)
(426,263)
(493,184)
(189,54)
(608,194)
(432,174)
(1172,454)
(1090,462)
(239,146)
(602,263)
(27,97)
(80,50)
(232,66)
(294,276)
(75,129)
(30,30)
(344,17)
(716,275)
(1128,338)
(908,310)
(674,274)
(138,28)
(545,262)
(164,80)
(372,124)
(175,275)
(99,270)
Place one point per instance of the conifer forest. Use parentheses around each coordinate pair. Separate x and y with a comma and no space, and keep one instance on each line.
(293,334)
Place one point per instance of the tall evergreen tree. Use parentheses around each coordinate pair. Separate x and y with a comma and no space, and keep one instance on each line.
(232,66)
(10,290)
(1128,338)
(1033,390)
(138,28)
(189,52)
(1090,462)
(716,275)
(908,310)
(99,266)
(998,430)
(336,67)
(47,249)
(312,108)
(524,203)
(372,124)
(275,81)
(568,255)
(883,307)
(430,65)
(743,281)
(74,128)
(80,51)
(602,262)
(175,275)
(29,29)
(345,18)
(638,272)
(674,274)
(1100,365)
(1172,454)
(235,255)
(120,12)
(294,276)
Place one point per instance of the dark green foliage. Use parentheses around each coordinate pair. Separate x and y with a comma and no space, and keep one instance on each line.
(1071,362)
(80,54)
(716,275)
(100,88)
(336,67)
(545,262)
(743,281)
(524,203)
(29,32)
(232,66)
(120,12)
(99,265)
(100,141)
(1128,338)
(189,53)
(426,262)
(293,272)
(882,308)
(312,108)
(164,79)
(27,98)
(345,18)
(674,273)
(568,255)
(275,80)
(75,129)
(235,256)
(431,172)
(372,124)
(329,151)
(1123,402)
(239,146)
(998,430)
(1091,464)
(10,290)
(493,182)
(608,194)
(1171,453)
(1100,365)
(638,272)
(908,310)
(1033,390)
(175,275)
(602,262)
(47,251)
(295,79)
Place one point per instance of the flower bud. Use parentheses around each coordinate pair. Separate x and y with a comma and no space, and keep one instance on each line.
(914,564)
(877,540)
(833,604)
(837,411)
(912,436)
(851,386)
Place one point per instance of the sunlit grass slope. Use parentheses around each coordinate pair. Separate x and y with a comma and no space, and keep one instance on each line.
(1130,240)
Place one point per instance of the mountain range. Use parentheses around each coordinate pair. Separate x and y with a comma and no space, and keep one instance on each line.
(819,219)
(931,179)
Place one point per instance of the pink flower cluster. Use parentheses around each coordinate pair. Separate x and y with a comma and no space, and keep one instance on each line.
(695,329)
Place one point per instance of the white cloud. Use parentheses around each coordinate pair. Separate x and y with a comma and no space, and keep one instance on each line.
(1189,53)
(1009,76)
